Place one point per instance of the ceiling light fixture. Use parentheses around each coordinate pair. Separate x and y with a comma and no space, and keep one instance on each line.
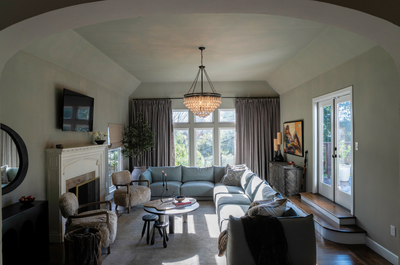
(204,103)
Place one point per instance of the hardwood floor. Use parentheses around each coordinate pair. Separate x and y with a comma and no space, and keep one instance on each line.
(328,253)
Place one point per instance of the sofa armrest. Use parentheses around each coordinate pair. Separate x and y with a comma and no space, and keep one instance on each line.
(145,176)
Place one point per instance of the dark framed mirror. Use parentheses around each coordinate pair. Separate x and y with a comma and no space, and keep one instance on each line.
(13,159)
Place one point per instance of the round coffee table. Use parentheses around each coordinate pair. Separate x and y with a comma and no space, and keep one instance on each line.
(162,215)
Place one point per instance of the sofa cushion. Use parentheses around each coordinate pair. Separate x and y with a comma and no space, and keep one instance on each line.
(219,172)
(197,173)
(12,173)
(300,237)
(265,192)
(173,186)
(242,166)
(246,177)
(197,188)
(290,213)
(237,249)
(220,188)
(173,173)
(227,210)
(274,208)
(224,198)
(252,187)
(233,176)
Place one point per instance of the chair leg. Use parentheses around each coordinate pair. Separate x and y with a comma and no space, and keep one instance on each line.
(152,238)
(109,250)
(159,230)
(166,234)
(144,228)
(148,232)
(165,238)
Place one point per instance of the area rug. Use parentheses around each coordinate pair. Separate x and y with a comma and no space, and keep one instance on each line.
(194,242)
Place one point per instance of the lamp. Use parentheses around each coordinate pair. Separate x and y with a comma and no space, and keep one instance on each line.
(277,149)
(204,103)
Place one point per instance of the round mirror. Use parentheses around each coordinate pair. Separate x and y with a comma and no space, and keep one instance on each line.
(13,159)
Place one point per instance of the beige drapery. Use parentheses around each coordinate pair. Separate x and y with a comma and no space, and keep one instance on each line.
(257,122)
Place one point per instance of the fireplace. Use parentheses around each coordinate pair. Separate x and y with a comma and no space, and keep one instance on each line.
(68,169)
(86,189)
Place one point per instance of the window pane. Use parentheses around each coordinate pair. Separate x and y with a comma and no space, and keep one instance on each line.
(113,163)
(326,136)
(227,147)
(180,116)
(209,118)
(204,147)
(227,116)
(181,138)
(344,146)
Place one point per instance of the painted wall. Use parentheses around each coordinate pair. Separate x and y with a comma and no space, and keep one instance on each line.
(375,82)
(31,90)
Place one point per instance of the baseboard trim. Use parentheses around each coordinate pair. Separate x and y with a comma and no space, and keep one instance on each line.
(392,258)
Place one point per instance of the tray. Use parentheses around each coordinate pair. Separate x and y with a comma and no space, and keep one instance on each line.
(160,206)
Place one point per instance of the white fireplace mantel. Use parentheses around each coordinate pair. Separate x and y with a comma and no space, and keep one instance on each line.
(68,163)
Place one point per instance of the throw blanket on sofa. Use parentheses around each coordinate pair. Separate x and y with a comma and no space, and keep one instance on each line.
(266,239)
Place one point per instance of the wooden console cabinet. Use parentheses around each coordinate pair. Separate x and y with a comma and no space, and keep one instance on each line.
(285,179)
(26,233)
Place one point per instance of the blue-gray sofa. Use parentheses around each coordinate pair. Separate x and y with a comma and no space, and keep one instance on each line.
(232,202)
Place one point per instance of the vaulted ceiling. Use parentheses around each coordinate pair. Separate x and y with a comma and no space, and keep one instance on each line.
(121,54)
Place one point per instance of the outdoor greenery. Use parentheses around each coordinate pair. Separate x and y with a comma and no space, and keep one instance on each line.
(181,148)
(137,139)
(113,163)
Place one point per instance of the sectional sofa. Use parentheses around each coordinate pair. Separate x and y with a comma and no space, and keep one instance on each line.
(232,202)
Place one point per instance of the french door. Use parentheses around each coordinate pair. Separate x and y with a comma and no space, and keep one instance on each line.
(333,126)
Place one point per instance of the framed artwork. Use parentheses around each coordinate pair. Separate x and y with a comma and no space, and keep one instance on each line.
(293,140)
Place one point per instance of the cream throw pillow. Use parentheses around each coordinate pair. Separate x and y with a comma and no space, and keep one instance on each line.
(273,208)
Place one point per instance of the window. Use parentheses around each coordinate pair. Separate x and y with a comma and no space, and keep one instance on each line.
(114,165)
(181,138)
(204,147)
(180,116)
(206,141)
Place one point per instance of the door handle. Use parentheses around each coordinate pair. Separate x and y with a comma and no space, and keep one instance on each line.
(334,156)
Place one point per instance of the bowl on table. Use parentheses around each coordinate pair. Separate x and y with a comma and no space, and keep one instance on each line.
(180,198)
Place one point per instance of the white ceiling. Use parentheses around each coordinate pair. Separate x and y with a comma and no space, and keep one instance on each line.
(285,52)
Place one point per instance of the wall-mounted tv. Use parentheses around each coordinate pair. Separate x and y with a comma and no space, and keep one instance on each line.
(77,112)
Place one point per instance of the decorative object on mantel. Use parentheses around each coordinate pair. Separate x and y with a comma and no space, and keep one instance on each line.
(277,149)
(137,139)
(203,103)
(293,138)
(98,137)
(59,146)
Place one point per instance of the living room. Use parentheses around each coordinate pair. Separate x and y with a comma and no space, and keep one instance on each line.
(35,69)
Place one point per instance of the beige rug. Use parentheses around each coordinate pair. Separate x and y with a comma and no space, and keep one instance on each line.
(194,242)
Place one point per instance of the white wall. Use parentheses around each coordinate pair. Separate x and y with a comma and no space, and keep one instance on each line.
(30,101)
(375,82)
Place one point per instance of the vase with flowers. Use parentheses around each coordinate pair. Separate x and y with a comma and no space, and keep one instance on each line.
(99,137)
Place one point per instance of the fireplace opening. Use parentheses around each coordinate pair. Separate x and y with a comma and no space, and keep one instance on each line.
(86,188)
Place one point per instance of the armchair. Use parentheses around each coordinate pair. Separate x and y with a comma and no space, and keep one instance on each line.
(128,195)
(102,219)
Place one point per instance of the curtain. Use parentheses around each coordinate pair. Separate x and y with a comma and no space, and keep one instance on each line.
(257,122)
(9,152)
(158,114)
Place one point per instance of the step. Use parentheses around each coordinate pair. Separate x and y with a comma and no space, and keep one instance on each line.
(334,211)
(343,234)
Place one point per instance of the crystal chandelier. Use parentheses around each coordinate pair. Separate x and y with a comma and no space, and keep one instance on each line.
(204,103)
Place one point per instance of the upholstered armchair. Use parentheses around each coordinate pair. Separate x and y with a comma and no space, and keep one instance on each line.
(128,195)
(103,219)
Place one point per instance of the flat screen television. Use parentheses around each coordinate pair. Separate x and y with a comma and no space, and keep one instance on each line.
(77,112)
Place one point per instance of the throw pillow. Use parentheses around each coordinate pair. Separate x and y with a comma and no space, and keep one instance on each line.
(290,213)
(255,203)
(274,208)
(243,166)
(233,177)
(4,179)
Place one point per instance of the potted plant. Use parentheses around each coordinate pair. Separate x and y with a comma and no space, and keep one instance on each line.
(137,139)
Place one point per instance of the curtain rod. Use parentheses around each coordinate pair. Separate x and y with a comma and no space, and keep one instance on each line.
(182,98)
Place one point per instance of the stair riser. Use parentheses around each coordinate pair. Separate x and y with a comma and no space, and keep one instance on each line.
(340,237)
(343,221)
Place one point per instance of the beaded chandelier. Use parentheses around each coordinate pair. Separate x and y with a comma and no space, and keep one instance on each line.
(204,103)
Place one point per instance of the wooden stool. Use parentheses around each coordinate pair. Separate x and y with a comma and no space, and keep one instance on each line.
(147,219)
(163,227)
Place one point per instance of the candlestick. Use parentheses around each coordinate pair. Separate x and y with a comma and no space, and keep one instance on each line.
(166,182)
(162,177)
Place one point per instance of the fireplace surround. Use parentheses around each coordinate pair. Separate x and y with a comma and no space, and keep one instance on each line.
(67,164)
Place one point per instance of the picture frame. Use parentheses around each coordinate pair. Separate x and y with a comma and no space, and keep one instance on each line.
(293,138)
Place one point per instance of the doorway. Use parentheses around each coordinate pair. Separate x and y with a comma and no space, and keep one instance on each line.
(333,146)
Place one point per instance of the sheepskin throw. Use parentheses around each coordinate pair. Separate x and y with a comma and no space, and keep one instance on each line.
(99,222)
(222,241)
